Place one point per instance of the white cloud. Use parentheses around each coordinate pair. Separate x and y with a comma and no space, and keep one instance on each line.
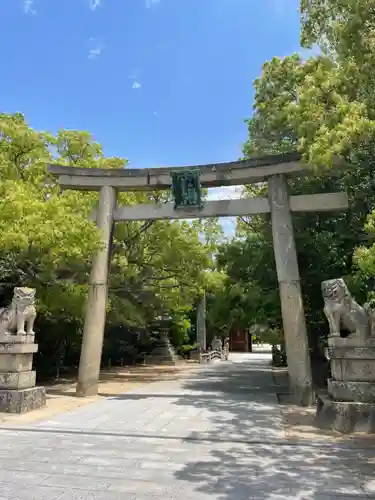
(151,3)
(225,193)
(95,47)
(135,78)
(28,7)
(94,4)
(94,52)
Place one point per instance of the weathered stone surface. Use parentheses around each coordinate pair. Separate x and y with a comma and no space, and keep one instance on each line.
(292,310)
(353,353)
(22,380)
(16,339)
(350,342)
(20,313)
(350,403)
(22,400)
(345,417)
(353,369)
(16,362)
(352,360)
(163,352)
(18,393)
(363,392)
(18,348)
(93,331)
(341,309)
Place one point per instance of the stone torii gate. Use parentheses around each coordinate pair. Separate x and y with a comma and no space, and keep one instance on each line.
(272,169)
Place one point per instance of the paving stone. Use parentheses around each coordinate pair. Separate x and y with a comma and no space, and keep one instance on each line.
(25,477)
(87,483)
(95,495)
(20,491)
(216,434)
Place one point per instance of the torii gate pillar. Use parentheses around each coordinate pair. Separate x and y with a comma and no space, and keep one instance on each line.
(294,324)
(96,307)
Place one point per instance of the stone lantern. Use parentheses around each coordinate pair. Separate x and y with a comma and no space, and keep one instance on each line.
(163,353)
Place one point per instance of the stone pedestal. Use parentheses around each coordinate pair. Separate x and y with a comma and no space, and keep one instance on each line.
(163,352)
(350,403)
(18,393)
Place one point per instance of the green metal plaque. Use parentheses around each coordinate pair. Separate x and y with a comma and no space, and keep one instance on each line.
(186,189)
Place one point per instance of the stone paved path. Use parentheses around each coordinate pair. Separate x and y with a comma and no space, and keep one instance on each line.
(215,435)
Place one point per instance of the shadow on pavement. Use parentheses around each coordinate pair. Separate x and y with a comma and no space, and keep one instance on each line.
(217,434)
(240,402)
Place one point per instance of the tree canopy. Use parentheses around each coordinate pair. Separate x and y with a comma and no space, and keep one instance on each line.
(48,240)
(324,108)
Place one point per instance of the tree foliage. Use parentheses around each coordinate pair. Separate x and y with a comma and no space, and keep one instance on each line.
(323,107)
(48,240)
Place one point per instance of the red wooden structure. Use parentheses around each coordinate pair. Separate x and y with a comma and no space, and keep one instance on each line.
(239,340)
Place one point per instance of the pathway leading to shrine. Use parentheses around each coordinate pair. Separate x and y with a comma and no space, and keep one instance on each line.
(216,434)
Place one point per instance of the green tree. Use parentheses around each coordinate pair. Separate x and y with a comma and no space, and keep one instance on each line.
(323,108)
(47,241)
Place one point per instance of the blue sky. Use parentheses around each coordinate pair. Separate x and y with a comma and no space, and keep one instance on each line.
(160,82)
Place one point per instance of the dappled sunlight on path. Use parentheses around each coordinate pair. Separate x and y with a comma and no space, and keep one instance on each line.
(215,433)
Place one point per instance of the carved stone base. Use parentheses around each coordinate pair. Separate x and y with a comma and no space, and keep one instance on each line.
(352,360)
(361,392)
(22,400)
(20,380)
(344,416)
(9,338)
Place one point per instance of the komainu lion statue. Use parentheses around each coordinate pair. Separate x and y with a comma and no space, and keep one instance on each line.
(21,312)
(342,310)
